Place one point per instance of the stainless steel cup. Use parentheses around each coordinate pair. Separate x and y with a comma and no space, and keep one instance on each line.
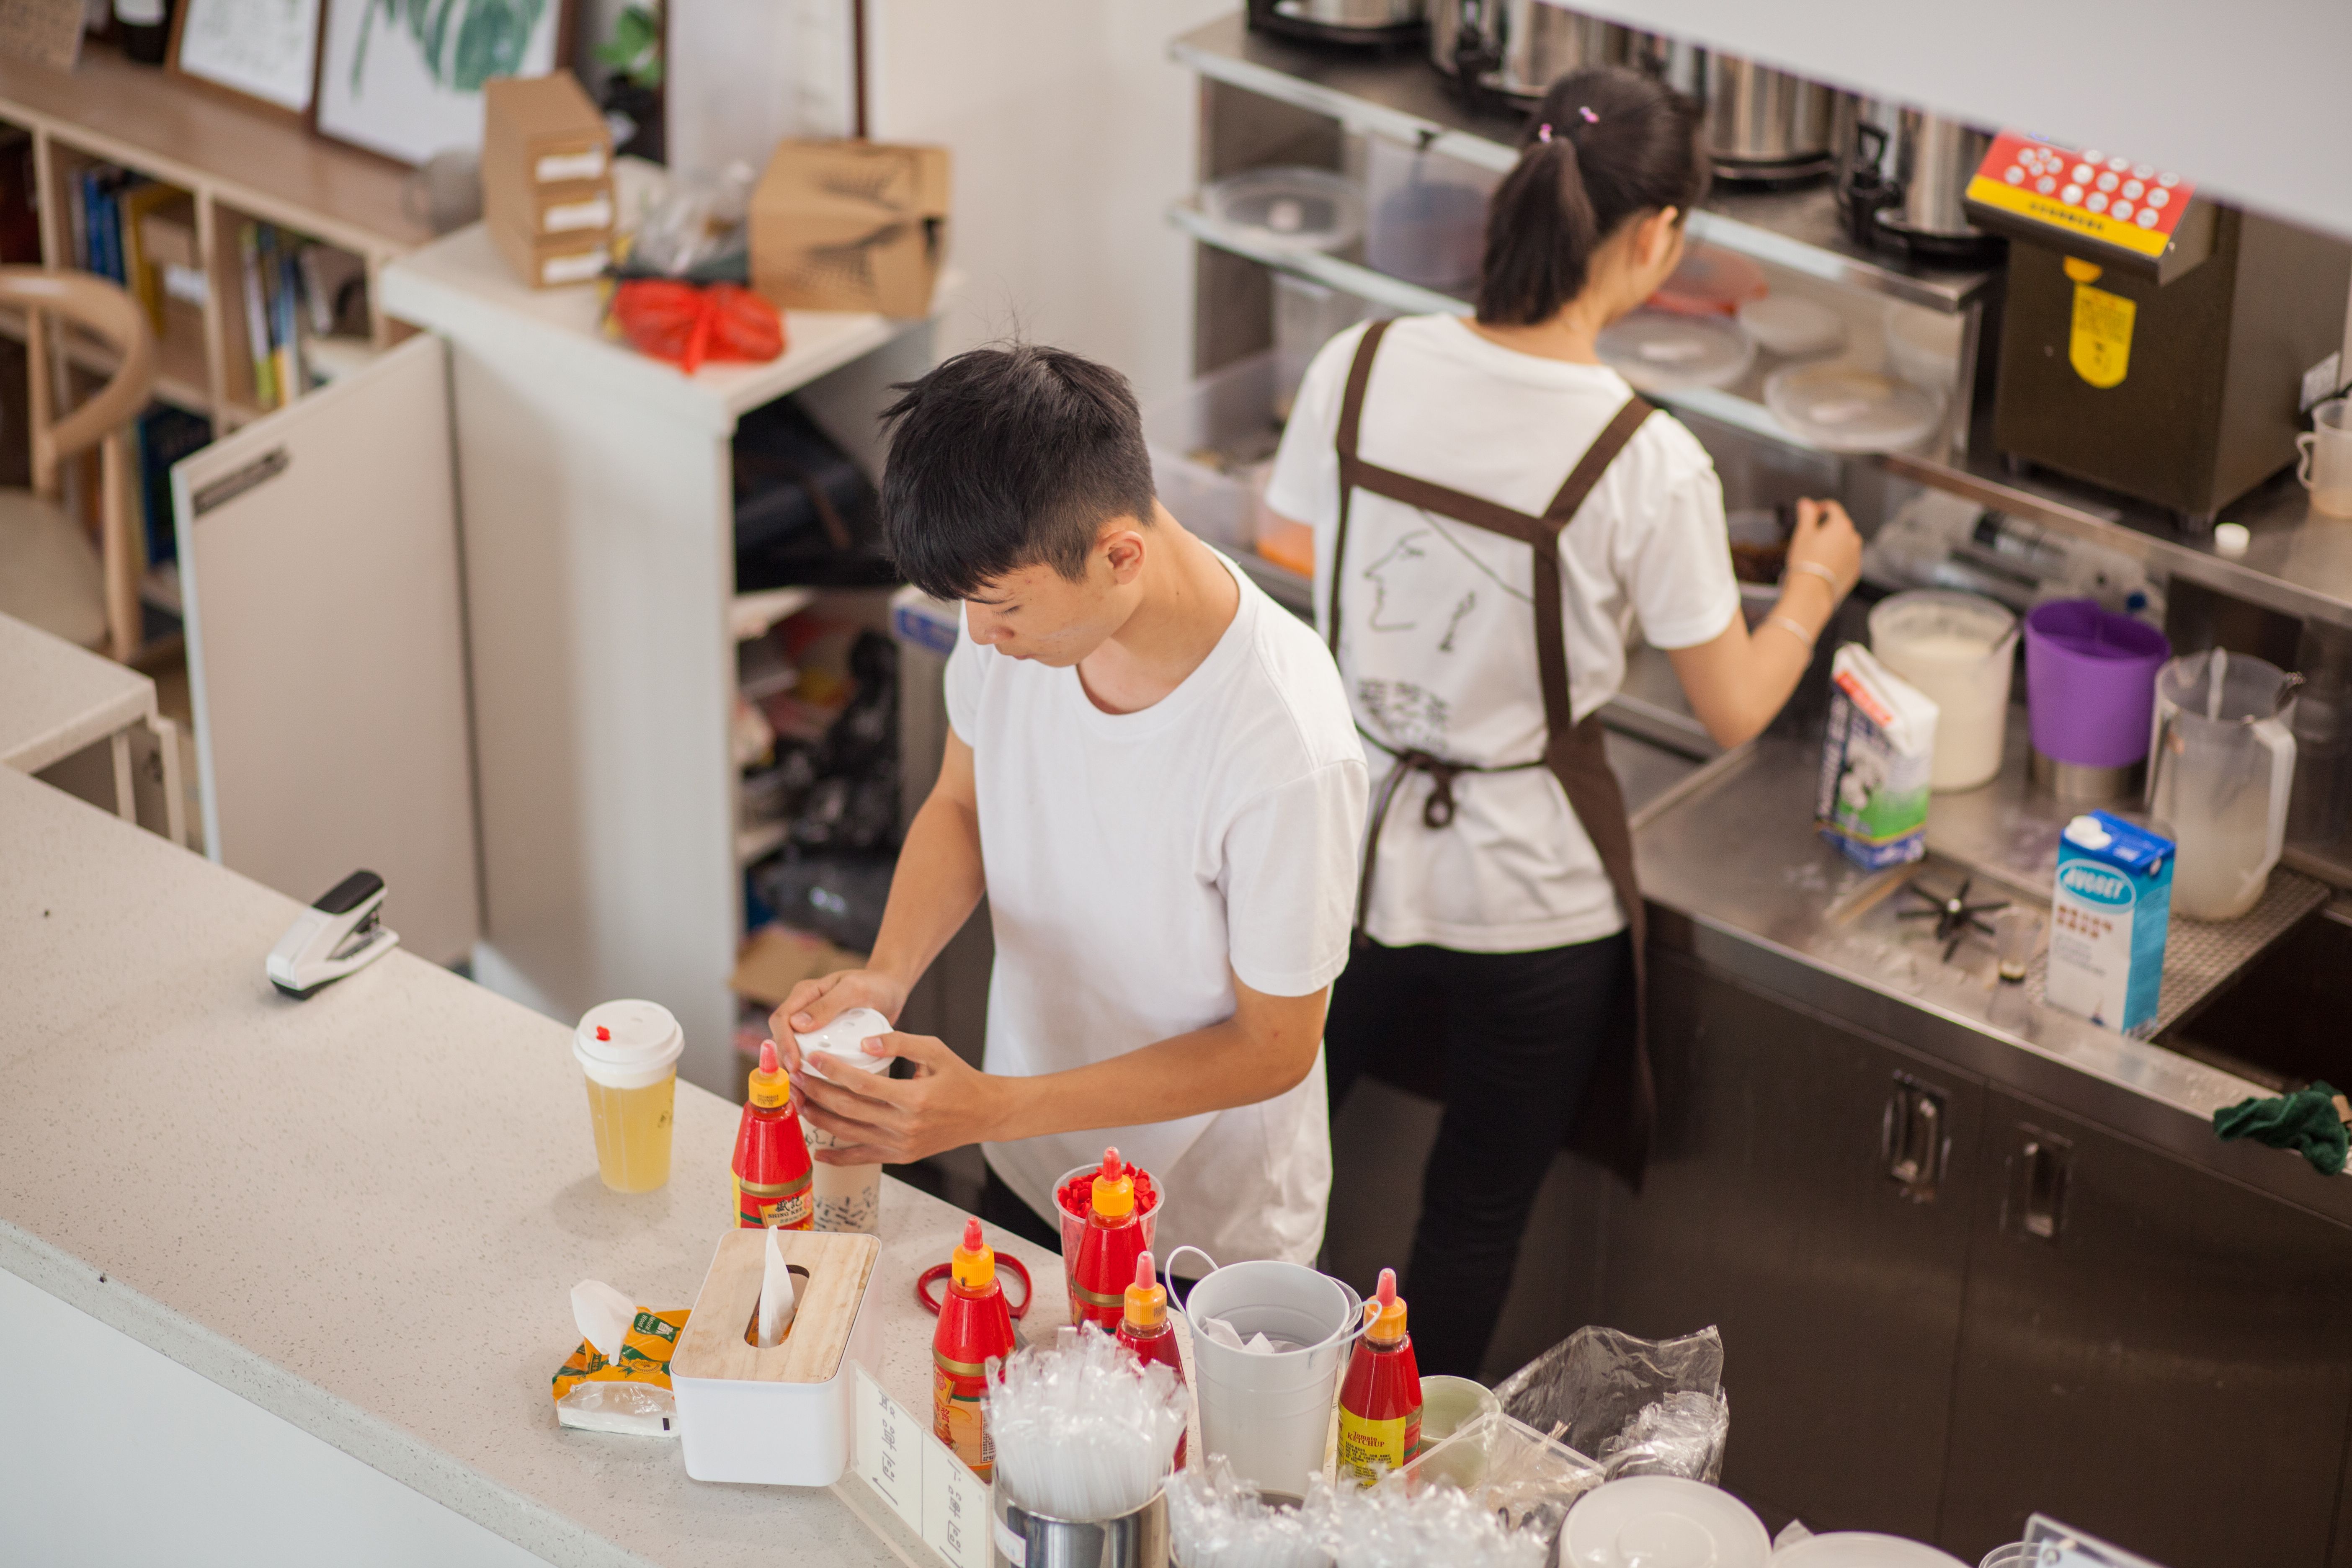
(1020,1539)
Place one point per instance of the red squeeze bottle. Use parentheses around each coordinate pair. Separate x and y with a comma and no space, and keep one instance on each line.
(975,1325)
(1107,1251)
(771,1159)
(1144,1330)
(1380,1403)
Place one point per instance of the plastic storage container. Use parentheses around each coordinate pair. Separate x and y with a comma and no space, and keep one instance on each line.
(2090,686)
(1425,215)
(1959,649)
(1288,208)
(1307,315)
(1841,408)
(1212,449)
(1657,351)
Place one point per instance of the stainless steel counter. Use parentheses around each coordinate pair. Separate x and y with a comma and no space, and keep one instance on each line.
(1737,877)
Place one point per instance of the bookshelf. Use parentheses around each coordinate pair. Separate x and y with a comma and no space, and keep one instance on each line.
(237,166)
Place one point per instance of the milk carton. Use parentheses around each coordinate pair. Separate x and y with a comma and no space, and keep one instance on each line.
(1872,799)
(2107,921)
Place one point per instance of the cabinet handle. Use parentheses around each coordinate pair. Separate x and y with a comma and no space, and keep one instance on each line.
(1914,1139)
(2042,1202)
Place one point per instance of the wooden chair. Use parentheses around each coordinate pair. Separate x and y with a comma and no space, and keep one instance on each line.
(50,573)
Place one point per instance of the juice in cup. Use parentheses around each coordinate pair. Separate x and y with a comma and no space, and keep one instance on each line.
(629,1051)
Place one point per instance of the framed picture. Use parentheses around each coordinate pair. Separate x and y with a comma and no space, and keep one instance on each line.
(404,78)
(46,32)
(264,50)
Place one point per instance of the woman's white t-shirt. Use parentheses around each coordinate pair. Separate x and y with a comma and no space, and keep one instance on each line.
(1132,858)
(1438,647)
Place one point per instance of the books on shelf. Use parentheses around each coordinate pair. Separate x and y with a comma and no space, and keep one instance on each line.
(159,439)
(296,293)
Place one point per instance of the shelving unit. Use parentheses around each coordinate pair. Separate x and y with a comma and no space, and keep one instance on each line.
(2300,562)
(237,164)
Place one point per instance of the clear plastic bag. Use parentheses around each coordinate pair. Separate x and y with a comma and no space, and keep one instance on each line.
(1613,1396)
(1525,1478)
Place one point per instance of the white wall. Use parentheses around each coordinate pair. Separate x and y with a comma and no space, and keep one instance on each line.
(1072,131)
(2253,98)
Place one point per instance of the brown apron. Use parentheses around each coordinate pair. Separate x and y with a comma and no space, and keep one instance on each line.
(1620,1105)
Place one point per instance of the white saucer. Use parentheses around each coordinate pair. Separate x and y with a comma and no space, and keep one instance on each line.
(1860,1549)
(1662,1522)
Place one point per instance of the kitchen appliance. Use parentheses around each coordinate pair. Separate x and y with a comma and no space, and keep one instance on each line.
(780,1416)
(1765,126)
(1519,48)
(2153,342)
(2221,771)
(1904,175)
(1377,25)
(2090,688)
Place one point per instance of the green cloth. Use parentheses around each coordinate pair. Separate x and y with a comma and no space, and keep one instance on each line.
(2304,1121)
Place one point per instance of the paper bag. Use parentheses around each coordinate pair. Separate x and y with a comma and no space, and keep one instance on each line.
(850,225)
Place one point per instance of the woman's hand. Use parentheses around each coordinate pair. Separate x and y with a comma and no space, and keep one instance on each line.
(895,1122)
(1824,542)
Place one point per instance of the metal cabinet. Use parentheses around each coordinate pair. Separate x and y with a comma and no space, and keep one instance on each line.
(1810,1193)
(2149,1351)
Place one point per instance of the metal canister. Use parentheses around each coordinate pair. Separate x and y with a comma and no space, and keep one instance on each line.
(1766,124)
(1021,1539)
(1519,48)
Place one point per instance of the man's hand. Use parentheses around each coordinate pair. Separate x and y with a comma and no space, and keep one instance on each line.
(813,1004)
(884,1120)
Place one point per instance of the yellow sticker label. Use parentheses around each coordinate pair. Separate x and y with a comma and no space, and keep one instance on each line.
(2099,348)
(1368,1448)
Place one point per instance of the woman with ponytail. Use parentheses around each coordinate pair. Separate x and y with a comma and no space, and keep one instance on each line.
(1492,508)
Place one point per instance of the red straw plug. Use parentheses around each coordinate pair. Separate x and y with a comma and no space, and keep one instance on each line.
(767,1055)
(1112,1168)
(1387,1292)
(1145,1276)
(973,1240)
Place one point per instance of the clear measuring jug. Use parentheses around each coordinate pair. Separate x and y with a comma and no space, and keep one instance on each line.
(2220,769)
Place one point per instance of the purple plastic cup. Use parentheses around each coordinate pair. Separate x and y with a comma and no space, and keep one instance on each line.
(2090,683)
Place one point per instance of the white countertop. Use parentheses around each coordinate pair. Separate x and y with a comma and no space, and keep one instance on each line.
(56,699)
(365,1212)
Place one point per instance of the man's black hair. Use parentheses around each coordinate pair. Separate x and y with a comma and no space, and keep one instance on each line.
(1006,457)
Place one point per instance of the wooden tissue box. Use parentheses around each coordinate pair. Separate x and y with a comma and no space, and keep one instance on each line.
(782,1416)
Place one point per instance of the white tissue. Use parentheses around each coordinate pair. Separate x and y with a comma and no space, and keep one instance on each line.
(777,1300)
(1225,1334)
(603,1316)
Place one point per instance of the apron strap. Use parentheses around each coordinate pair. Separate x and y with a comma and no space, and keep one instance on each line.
(1352,419)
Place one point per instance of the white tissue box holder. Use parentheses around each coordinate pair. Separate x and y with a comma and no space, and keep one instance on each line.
(782,1416)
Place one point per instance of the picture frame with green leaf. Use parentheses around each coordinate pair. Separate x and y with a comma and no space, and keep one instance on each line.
(404,78)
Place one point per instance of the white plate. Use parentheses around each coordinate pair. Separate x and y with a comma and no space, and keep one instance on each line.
(1791,326)
(1859,1549)
(1844,408)
(1657,351)
(1662,1522)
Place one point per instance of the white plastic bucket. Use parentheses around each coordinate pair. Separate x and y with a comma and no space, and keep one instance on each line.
(1270,1416)
(1959,650)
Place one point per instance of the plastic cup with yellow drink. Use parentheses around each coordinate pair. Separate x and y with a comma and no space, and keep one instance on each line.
(629,1051)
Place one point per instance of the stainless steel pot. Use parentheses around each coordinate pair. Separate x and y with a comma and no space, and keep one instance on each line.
(1766,124)
(1344,17)
(1932,161)
(1519,48)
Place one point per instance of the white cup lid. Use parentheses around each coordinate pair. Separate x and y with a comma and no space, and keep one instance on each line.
(839,1042)
(627,1045)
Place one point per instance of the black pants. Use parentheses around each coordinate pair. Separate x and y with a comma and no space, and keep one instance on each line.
(1520,1032)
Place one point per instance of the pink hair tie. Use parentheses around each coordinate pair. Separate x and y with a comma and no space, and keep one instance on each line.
(1543,131)
(1590,118)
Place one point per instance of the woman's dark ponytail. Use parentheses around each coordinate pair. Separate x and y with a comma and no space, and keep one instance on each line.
(1604,146)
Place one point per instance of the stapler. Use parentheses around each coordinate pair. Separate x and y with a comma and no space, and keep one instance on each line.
(337,934)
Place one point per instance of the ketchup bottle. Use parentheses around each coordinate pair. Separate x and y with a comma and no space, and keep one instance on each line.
(1380,1402)
(1108,1250)
(1144,1330)
(772,1160)
(975,1325)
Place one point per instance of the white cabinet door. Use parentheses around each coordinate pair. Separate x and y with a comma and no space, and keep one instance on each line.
(319,557)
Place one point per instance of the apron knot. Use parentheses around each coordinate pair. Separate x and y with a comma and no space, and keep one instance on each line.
(1438,810)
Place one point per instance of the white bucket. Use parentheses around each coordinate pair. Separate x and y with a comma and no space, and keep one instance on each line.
(1270,1416)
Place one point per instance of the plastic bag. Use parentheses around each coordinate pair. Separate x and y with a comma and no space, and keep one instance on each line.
(697,227)
(1600,1384)
(690,326)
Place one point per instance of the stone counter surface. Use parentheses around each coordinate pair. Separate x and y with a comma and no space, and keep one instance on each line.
(365,1212)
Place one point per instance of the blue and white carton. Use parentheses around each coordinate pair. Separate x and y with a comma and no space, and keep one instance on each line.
(2108,921)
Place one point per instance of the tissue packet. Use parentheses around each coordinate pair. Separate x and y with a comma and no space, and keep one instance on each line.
(1872,798)
(597,1395)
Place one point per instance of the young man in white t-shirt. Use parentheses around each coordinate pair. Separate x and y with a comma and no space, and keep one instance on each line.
(1154,776)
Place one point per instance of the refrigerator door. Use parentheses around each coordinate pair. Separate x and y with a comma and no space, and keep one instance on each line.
(326,648)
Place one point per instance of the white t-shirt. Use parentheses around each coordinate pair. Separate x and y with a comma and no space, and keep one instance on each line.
(1438,649)
(1132,857)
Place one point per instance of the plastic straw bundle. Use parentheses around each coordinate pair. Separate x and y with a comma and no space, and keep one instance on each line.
(1216,1520)
(1082,1431)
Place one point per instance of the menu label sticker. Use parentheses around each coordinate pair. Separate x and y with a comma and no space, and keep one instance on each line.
(891,1450)
(955,1509)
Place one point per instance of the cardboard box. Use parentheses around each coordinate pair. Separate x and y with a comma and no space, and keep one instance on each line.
(553,263)
(850,225)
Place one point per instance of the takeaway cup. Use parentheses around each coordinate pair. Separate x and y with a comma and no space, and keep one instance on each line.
(845,1197)
(629,1051)
(1270,1413)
